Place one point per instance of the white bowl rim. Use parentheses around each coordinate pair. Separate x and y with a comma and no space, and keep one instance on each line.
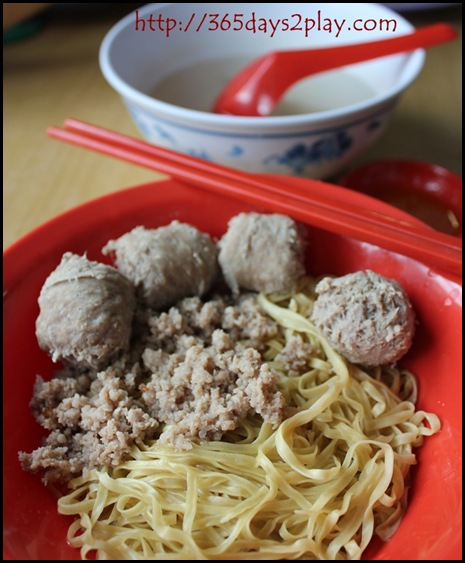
(409,74)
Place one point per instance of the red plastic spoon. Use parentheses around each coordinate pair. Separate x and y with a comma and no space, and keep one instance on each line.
(256,90)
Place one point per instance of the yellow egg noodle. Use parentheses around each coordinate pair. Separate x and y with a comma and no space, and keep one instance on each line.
(320,486)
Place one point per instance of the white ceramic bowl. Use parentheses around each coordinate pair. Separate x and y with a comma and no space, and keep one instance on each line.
(168,61)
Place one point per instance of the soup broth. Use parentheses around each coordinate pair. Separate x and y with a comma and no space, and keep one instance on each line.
(197,86)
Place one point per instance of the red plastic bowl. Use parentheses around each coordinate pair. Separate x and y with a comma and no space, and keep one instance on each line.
(432,526)
(427,191)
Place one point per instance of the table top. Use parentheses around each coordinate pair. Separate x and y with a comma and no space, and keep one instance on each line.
(54,74)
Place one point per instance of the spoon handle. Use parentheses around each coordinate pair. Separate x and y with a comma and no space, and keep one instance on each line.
(309,61)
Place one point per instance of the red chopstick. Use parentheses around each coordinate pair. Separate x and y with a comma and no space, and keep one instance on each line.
(316,192)
(321,204)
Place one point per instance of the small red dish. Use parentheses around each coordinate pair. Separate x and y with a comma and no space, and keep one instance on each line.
(427,191)
(33,530)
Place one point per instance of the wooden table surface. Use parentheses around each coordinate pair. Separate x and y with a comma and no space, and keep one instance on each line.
(54,74)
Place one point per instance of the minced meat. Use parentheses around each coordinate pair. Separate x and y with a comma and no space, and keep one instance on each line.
(192,372)
(210,390)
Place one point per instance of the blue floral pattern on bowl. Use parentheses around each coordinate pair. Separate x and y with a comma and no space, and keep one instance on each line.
(316,153)
(301,155)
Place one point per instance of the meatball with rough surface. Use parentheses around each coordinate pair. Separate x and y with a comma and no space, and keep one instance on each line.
(261,252)
(168,263)
(367,318)
(86,312)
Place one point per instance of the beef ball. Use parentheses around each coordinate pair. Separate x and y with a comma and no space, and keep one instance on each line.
(367,318)
(86,312)
(262,252)
(168,263)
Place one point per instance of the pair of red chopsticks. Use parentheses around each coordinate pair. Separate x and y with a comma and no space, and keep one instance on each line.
(320,204)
